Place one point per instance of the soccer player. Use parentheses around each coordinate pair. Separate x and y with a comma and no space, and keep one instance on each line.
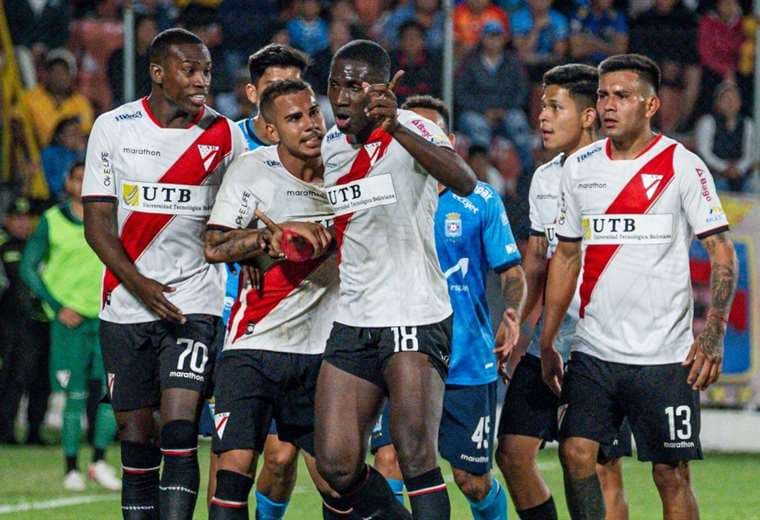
(393,320)
(277,334)
(568,122)
(472,236)
(635,200)
(152,170)
(57,266)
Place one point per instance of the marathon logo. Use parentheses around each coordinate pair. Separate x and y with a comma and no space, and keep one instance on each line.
(627,229)
(362,194)
(167,199)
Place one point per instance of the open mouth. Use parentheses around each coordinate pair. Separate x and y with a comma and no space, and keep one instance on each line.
(198,99)
(313,140)
(342,121)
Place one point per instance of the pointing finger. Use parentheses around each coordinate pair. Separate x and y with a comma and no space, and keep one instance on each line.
(395,81)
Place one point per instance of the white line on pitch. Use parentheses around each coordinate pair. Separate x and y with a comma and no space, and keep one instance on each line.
(56,503)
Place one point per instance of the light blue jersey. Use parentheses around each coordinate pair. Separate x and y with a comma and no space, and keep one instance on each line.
(472,236)
(251,139)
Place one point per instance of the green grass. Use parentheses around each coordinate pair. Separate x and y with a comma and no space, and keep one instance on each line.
(726,487)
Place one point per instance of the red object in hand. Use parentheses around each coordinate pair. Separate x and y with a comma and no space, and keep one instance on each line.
(295,247)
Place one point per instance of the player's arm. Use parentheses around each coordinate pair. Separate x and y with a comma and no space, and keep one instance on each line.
(441,162)
(706,354)
(235,245)
(100,232)
(535,272)
(513,293)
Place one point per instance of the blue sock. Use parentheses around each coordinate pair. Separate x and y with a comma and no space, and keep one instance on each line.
(493,506)
(267,509)
(397,486)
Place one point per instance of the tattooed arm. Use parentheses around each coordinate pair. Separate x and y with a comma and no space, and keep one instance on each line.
(513,292)
(234,245)
(706,354)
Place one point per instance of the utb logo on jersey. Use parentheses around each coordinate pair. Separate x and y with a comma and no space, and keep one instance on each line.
(208,152)
(131,194)
(453,225)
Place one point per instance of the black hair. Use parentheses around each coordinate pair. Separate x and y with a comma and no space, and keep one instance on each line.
(411,24)
(275,55)
(431,103)
(74,166)
(277,89)
(63,123)
(645,67)
(165,39)
(369,52)
(580,80)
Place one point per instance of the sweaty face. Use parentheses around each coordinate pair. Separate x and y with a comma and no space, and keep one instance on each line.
(622,103)
(186,76)
(298,124)
(271,74)
(347,96)
(559,120)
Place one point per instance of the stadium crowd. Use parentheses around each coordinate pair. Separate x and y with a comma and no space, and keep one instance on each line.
(71,58)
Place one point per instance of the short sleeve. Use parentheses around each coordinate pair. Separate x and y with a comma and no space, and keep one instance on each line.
(427,130)
(569,226)
(699,197)
(536,226)
(235,202)
(499,242)
(99,179)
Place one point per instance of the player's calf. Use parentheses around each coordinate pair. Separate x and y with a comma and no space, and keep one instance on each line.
(610,475)
(277,478)
(484,493)
(582,489)
(181,475)
(673,482)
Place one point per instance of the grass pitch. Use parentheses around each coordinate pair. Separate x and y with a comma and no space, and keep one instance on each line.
(31,488)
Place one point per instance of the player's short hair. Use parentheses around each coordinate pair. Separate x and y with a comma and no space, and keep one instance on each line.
(645,67)
(160,45)
(275,55)
(74,166)
(277,89)
(432,103)
(369,52)
(580,80)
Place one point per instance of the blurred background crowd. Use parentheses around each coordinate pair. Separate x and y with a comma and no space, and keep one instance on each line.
(67,59)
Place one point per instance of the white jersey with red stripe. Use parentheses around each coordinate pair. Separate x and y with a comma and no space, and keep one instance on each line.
(163,181)
(295,309)
(384,204)
(637,219)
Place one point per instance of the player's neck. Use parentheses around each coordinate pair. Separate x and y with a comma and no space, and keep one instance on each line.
(627,148)
(259,128)
(167,113)
(587,137)
(307,170)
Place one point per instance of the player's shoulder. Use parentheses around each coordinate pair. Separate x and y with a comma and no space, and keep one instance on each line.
(124,115)
(333,140)
(590,153)
(261,158)
(423,127)
(551,167)
(484,194)
(682,156)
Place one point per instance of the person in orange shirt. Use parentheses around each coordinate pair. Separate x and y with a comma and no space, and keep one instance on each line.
(55,98)
(469,19)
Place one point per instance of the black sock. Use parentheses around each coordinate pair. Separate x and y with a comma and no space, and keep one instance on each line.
(336,509)
(545,511)
(230,501)
(98,454)
(584,498)
(71,463)
(428,496)
(140,464)
(372,498)
(180,477)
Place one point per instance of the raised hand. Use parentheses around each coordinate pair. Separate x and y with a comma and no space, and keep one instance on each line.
(383,105)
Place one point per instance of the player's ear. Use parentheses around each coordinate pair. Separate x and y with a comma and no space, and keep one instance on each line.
(273,135)
(251,93)
(453,139)
(588,118)
(156,72)
(652,104)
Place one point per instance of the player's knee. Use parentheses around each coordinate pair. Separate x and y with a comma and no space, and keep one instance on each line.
(511,459)
(236,461)
(137,430)
(281,459)
(340,475)
(474,487)
(417,451)
(577,457)
(671,477)
(386,460)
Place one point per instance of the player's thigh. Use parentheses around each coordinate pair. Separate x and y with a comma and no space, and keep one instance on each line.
(530,407)
(188,353)
(294,405)
(238,461)
(243,402)
(589,408)
(664,414)
(466,434)
(130,359)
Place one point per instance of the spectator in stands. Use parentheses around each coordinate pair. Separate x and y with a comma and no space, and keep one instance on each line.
(24,333)
(38,25)
(725,140)
(308,31)
(422,67)
(720,37)
(55,98)
(424,12)
(66,148)
(202,21)
(319,70)
(598,31)
(236,105)
(477,158)
(469,19)
(491,90)
(343,11)
(540,35)
(146,29)
(245,25)
(667,33)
